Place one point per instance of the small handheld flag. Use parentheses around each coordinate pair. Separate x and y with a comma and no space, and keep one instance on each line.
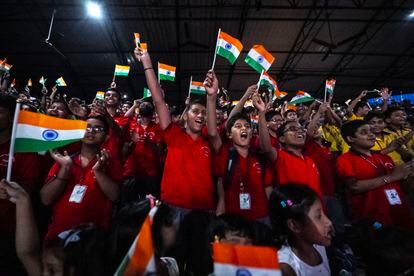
(137,39)
(140,258)
(42,81)
(301,97)
(121,70)
(100,95)
(144,47)
(61,82)
(5,66)
(146,94)
(268,81)
(228,47)
(197,87)
(166,72)
(259,58)
(329,87)
(232,259)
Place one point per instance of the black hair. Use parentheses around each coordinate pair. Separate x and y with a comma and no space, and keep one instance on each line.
(114,90)
(103,120)
(8,102)
(374,114)
(199,101)
(64,103)
(289,111)
(350,128)
(230,223)
(391,110)
(270,114)
(360,104)
(291,201)
(174,111)
(234,118)
(281,130)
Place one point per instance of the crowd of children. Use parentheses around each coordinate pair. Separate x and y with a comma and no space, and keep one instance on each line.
(330,188)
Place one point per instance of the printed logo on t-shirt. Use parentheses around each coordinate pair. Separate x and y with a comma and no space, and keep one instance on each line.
(258,168)
(206,151)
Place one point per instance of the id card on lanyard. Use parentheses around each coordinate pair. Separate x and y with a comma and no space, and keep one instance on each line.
(244,198)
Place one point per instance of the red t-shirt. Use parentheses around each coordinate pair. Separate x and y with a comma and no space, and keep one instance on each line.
(187,180)
(94,207)
(25,171)
(114,142)
(323,160)
(248,171)
(292,169)
(145,160)
(375,204)
(255,142)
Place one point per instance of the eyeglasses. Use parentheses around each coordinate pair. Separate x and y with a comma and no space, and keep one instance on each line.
(96,129)
(295,129)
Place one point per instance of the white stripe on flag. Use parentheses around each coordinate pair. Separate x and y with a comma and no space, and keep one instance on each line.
(223,43)
(259,59)
(45,134)
(164,72)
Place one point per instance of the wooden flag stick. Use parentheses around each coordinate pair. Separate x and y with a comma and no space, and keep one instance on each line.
(215,49)
(189,87)
(258,83)
(12,141)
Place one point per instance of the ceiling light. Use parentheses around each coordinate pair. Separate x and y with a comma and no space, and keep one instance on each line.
(411,15)
(94,10)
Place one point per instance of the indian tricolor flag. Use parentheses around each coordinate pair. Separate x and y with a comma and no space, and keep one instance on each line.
(228,47)
(301,97)
(121,70)
(36,132)
(279,94)
(329,86)
(166,72)
(147,93)
(42,81)
(137,39)
(268,81)
(140,259)
(259,58)
(197,87)
(5,66)
(61,82)
(245,260)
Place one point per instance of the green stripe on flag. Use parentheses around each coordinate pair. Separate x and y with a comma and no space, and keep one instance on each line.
(121,73)
(226,54)
(33,145)
(254,64)
(268,84)
(166,77)
(198,91)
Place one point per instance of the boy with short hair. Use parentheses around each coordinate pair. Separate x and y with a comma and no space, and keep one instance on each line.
(83,187)
(372,179)
(187,182)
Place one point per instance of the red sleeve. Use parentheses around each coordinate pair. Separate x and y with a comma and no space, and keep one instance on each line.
(122,121)
(53,172)
(345,167)
(172,134)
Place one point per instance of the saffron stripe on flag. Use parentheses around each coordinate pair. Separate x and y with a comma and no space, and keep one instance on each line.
(42,133)
(40,120)
(166,67)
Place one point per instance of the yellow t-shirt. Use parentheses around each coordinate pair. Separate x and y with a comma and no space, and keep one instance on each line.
(355,117)
(333,135)
(383,142)
(401,133)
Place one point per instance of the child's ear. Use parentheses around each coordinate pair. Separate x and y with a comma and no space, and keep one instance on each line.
(185,116)
(350,139)
(294,226)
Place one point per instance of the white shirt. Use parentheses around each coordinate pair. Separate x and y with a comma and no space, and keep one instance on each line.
(287,256)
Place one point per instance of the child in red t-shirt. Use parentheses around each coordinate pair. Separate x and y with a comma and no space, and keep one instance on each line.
(187,182)
(372,179)
(290,164)
(81,188)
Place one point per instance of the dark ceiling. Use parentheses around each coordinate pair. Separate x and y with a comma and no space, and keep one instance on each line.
(363,43)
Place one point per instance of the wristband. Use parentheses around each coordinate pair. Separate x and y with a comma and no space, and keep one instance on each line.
(148,68)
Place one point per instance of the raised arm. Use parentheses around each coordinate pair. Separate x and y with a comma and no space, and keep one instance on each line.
(352,105)
(314,122)
(131,111)
(153,85)
(385,95)
(239,106)
(211,85)
(27,236)
(264,135)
